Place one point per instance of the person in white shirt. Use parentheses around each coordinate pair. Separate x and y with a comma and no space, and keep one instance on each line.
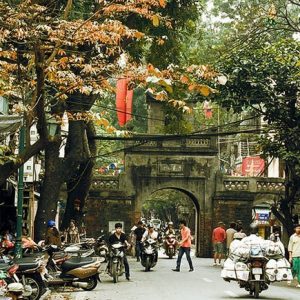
(150,233)
(294,252)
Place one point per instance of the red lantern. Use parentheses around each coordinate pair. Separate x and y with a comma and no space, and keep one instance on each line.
(123,101)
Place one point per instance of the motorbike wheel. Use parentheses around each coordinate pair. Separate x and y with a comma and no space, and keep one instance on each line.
(36,286)
(256,290)
(147,264)
(115,272)
(92,283)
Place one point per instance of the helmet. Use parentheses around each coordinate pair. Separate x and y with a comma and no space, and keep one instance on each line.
(150,225)
(170,223)
(15,287)
(253,228)
(51,223)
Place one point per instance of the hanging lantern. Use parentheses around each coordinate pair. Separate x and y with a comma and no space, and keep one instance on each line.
(124,97)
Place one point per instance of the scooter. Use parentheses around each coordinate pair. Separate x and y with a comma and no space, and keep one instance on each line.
(115,266)
(81,272)
(101,248)
(29,273)
(149,254)
(7,273)
(170,245)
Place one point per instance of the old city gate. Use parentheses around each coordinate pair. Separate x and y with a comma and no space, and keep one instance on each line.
(189,165)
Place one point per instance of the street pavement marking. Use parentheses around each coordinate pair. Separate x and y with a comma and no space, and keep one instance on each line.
(231,294)
(207,279)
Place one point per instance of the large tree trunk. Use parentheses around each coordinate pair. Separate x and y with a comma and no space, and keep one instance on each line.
(47,205)
(79,185)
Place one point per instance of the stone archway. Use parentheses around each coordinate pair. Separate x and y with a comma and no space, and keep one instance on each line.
(196,206)
(193,188)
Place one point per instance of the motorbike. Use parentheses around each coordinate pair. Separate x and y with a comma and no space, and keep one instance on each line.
(255,263)
(101,248)
(149,254)
(257,281)
(115,265)
(170,245)
(81,272)
(7,273)
(29,273)
(56,258)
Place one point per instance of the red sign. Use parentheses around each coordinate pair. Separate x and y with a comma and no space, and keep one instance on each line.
(253,166)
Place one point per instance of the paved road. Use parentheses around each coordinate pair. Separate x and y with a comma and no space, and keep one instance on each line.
(161,283)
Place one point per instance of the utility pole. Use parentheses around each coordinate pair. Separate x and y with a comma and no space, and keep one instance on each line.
(18,248)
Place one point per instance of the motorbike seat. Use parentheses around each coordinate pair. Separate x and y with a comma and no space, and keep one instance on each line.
(59,255)
(4,266)
(26,264)
(76,262)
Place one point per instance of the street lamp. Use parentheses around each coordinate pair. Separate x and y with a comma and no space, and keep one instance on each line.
(52,126)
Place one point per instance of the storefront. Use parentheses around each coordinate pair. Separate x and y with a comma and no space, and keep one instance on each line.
(266,223)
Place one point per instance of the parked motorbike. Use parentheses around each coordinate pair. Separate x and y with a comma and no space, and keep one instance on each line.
(56,258)
(7,273)
(170,245)
(81,272)
(101,248)
(149,254)
(29,273)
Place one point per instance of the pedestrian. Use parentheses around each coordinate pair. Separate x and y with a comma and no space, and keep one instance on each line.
(138,232)
(184,246)
(118,236)
(218,239)
(294,253)
(72,233)
(52,234)
(229,235)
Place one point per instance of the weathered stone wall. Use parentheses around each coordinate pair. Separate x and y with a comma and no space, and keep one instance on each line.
(231,210)
(100,212)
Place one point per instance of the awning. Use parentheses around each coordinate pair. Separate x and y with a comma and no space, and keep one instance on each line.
(9,123)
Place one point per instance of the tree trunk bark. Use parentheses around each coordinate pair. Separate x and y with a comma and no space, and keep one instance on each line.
(47,205)
(79,186)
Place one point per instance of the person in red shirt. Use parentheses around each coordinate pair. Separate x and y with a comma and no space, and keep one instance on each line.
(184,246)
(218,239)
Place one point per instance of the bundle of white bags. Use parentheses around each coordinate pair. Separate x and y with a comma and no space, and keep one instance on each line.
(236,268)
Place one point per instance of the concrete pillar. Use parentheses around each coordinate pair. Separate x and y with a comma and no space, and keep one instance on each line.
(156,115)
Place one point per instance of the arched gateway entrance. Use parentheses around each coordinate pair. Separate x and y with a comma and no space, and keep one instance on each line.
(188,208)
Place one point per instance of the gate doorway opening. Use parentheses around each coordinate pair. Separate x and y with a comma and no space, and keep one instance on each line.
(171,204)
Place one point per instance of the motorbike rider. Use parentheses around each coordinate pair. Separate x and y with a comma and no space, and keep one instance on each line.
(169,231)
(151,233)
(253,237)
(139,231)
(118,236)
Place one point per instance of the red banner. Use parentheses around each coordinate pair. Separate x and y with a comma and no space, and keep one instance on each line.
(123,101)
(253,166)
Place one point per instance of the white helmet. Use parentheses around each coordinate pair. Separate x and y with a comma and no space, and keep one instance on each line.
(15,287)
(170,223)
